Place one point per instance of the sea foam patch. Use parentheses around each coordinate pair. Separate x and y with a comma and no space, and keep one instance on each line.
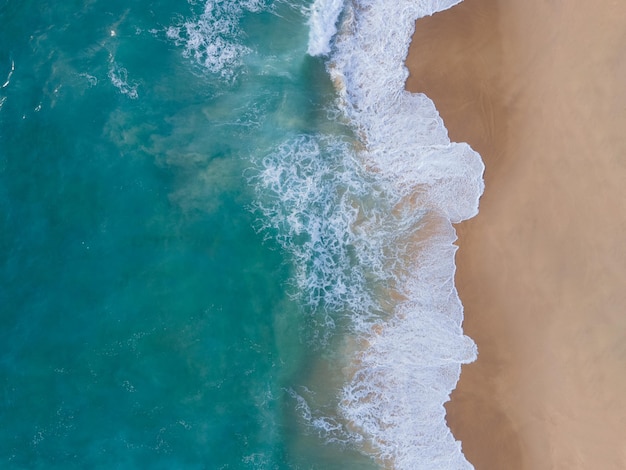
(368,224)
(214,38)
(401,379)
(313,195)
(118,76)
(323,20)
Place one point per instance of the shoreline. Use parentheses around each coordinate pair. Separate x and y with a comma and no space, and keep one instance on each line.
(536,89)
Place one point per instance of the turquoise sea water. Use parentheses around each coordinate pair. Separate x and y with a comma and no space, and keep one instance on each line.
(145,323)
(202,261)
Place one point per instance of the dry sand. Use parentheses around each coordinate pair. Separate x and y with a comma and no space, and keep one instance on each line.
(538,87)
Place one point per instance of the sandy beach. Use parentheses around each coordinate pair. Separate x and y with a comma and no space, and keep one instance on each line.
(537,87)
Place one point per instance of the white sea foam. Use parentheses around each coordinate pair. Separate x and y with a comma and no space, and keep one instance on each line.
(369,227)
(119,78)
(213,39)
(314,195)
(323,25)
(8,80)
(353,236)
(400,382)
(92,80)
(328,428)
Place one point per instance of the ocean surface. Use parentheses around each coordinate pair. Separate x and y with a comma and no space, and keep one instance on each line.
(225,238)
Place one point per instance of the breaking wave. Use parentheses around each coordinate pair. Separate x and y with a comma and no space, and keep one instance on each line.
(374,235)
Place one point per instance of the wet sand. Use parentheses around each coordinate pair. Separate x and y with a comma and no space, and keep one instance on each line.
(538,87)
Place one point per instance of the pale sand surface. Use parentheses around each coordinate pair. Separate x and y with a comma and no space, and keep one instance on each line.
(538,87)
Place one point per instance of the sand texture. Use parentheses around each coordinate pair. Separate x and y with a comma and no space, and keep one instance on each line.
(538,87)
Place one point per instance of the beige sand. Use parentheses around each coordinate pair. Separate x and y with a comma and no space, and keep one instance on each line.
(538,87)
